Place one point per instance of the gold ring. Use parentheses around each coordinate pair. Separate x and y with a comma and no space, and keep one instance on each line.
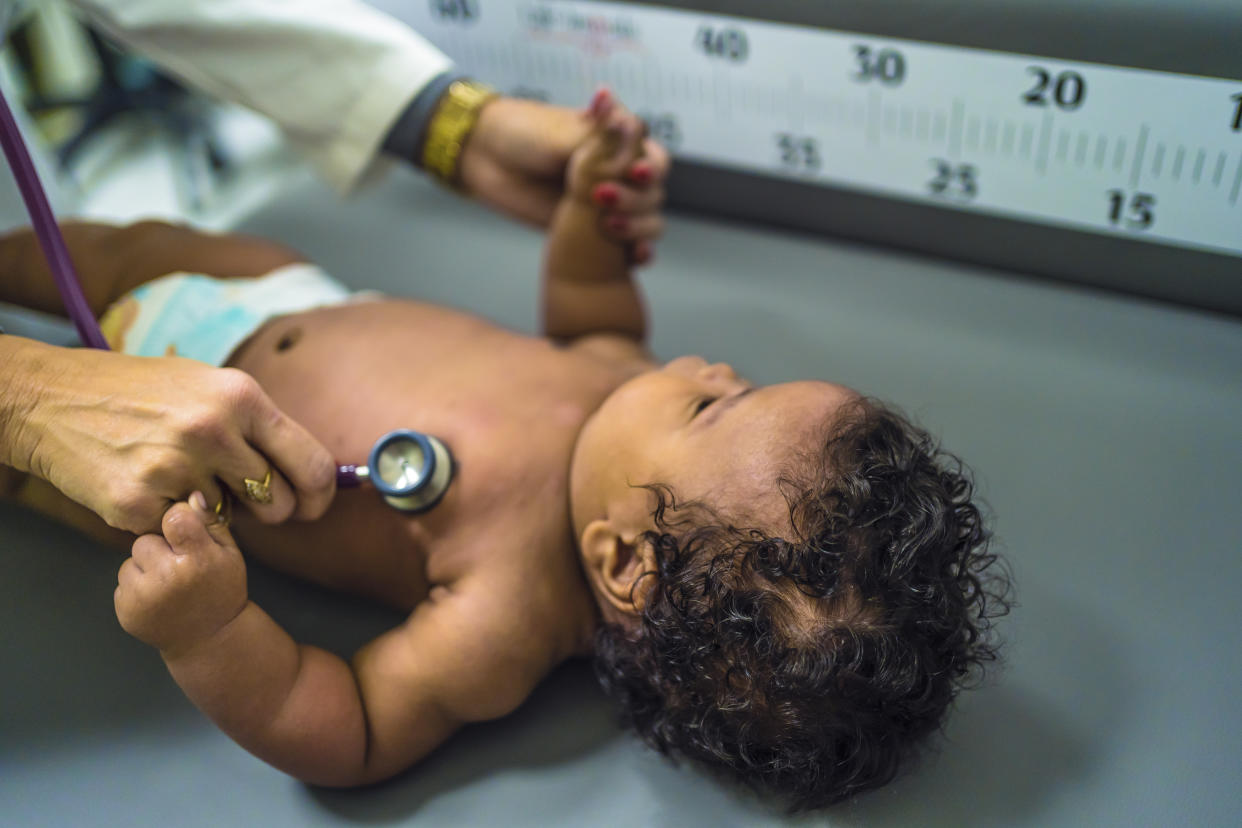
(260,491)
(224,509)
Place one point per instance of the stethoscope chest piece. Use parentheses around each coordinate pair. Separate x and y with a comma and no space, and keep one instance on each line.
(411,470)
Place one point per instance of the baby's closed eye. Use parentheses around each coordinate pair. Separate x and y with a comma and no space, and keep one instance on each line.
(703,404)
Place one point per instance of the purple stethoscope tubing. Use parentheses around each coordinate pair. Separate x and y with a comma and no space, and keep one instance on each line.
(57,254)
(48,233)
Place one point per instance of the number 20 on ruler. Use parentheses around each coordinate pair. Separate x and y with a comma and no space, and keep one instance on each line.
(1065,91)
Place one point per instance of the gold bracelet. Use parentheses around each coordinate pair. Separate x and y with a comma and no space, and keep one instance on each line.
(450,128)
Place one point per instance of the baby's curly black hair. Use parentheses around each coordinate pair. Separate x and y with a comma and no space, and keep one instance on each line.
(811,667)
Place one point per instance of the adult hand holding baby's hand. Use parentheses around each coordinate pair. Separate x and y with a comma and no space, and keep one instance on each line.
(516,161)
(128,436)
(180,589)
(601,162)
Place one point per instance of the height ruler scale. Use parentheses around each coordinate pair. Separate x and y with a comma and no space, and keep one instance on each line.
(1152,158)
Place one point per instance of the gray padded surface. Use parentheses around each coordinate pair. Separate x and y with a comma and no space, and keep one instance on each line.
(1106,433)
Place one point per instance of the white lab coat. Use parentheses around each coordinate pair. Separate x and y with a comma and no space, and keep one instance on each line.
(334,74)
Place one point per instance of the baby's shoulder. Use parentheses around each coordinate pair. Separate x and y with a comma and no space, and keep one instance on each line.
(522,574)
(612,348)
(469,651)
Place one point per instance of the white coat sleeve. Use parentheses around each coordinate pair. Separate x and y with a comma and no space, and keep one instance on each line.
(334,74)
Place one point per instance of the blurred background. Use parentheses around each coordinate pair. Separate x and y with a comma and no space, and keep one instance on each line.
(121,140)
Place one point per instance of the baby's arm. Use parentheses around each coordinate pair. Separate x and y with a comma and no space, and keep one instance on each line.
(300,708)
(588,286)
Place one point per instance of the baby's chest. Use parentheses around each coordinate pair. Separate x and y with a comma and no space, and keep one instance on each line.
(508,503)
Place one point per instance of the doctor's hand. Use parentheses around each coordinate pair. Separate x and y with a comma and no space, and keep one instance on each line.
(128,436)
(516,160)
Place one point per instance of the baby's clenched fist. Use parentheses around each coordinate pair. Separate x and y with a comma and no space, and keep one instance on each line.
(180,588)
(611,174)
(609,151)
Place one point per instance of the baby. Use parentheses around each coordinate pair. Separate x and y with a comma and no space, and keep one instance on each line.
(788,583)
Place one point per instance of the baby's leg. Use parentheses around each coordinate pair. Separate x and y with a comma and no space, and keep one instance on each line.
(42,497)
(111,261)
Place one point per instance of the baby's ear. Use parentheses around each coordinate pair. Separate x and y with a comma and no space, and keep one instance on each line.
(615,566)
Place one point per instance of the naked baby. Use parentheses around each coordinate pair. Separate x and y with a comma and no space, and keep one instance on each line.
(787,583)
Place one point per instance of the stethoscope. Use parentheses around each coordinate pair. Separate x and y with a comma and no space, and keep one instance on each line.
(409,469)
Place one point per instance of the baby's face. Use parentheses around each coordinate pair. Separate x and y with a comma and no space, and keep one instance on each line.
(704,432)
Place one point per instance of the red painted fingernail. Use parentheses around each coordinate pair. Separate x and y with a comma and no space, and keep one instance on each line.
(618,223)
(641,173)
(598,101)
(606,195)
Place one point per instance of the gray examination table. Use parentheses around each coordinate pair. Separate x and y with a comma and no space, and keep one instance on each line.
(1106,434)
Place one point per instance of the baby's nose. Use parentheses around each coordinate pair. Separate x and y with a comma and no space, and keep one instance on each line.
(718,372)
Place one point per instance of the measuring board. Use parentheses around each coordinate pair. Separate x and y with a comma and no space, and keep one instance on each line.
(1149,157)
